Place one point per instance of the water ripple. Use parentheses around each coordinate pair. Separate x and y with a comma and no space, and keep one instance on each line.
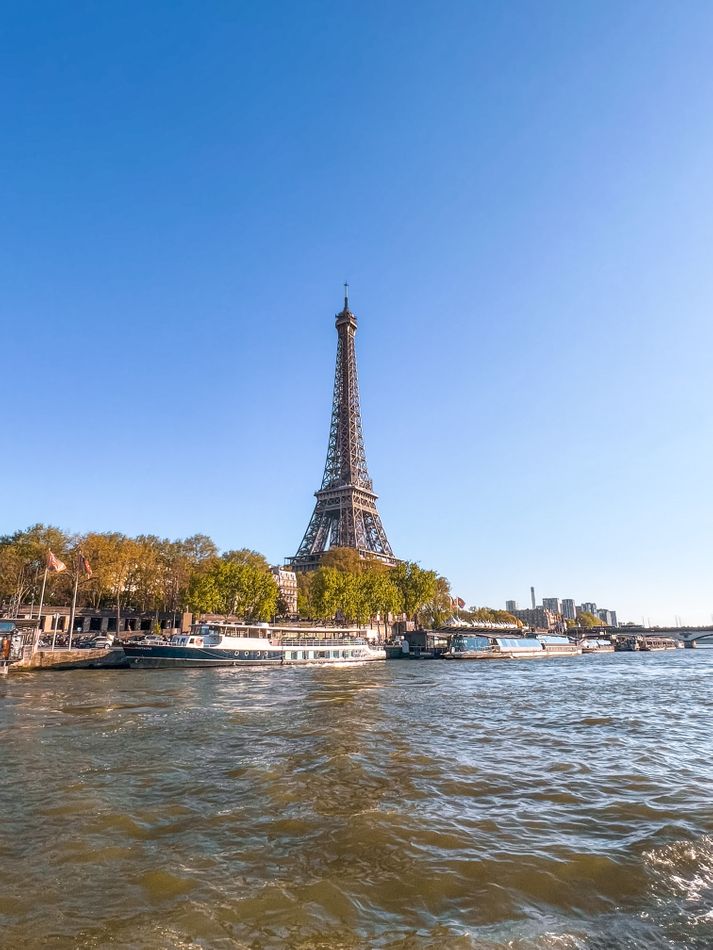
(404,805)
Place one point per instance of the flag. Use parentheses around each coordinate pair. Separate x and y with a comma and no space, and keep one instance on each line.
(460,602)
(54,563)
(84,565)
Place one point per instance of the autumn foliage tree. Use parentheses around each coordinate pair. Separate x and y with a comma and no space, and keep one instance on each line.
(158,575)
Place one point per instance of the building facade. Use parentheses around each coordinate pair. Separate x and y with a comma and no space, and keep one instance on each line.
(88,620)
(552,603)
(511,605)
(286,580)
(538,618)
(569,611)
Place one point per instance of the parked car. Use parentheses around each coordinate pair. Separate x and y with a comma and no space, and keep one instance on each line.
(98,643)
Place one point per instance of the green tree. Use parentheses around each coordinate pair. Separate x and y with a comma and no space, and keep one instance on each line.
(439,608)
(416,586)
(232,588)
(204,589)
(334,592)
(376,594)
(305,603)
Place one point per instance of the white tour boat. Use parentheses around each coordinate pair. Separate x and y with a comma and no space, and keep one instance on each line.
(226,644)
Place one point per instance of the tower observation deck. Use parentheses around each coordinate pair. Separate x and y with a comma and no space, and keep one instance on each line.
(345,514)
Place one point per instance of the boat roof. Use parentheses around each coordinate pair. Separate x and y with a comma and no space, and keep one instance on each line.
(227,625)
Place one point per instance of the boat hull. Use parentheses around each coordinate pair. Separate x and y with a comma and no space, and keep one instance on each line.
(525,654)
(179,657)
(174,657)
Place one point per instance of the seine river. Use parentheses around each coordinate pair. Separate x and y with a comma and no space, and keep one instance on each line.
(562,803)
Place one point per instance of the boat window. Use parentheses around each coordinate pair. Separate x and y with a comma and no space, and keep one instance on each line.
(463,644)
(524,643)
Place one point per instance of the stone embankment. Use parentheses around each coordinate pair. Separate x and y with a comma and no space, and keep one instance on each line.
(69,660)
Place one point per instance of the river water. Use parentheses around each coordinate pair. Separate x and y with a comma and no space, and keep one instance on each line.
(563,803)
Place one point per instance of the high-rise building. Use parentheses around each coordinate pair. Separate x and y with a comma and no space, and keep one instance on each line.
(569,611)
(532,597)
(510,605)
(608,617)
(589,608)
(552,603)
(345,514)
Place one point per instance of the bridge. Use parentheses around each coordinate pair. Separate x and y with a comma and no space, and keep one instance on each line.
(689,635)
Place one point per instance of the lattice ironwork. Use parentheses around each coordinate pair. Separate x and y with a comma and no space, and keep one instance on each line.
(345,514)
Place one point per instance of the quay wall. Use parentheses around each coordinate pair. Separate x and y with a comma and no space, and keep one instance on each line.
(69,660)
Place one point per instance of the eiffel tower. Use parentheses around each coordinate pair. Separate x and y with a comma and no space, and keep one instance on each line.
(345,515)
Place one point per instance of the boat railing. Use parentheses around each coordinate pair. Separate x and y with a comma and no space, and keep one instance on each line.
(301,642)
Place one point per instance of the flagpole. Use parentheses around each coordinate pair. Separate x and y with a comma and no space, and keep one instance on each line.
(74,603)
(39,615)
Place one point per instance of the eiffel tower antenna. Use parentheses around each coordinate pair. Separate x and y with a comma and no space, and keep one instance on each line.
(345,514)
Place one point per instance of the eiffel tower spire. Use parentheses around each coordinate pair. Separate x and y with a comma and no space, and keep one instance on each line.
(345,514)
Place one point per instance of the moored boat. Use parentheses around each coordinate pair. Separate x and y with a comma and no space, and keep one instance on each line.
(592,645)
(481,646)
(222,644)
(559,646)
(651,644)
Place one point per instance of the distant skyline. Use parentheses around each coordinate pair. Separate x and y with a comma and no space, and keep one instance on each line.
(520,197)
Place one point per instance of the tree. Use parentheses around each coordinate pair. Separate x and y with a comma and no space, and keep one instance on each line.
(232,588)
(585,619)
(113,557)
(334,592)
(346,560)
(23,556)
(377,594)
(305,603)
(183,559)
(246,556)
(204,589)
(146,580)
(439,608)
(415,585)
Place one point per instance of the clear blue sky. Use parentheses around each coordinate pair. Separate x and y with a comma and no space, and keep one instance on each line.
(521,196)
